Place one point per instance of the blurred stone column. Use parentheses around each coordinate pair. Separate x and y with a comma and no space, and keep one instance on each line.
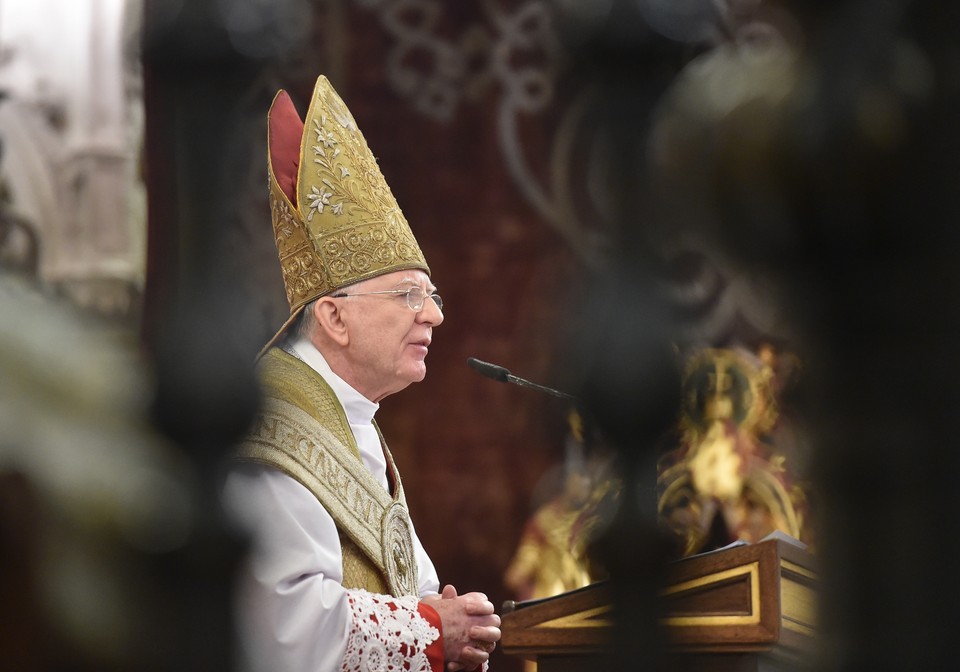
(97,257)
(71,127)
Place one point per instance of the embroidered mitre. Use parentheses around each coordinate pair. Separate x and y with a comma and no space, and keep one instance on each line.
(335,220)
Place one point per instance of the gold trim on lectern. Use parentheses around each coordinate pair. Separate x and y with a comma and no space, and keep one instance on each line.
(583,619)
(798,598)
(752,570)
(797,569)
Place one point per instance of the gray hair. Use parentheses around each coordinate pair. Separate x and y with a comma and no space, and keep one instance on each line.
(305,321)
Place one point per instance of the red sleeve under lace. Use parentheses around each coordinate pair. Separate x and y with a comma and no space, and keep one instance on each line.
(390,634)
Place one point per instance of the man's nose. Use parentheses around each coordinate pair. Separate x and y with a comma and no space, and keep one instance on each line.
(431,312)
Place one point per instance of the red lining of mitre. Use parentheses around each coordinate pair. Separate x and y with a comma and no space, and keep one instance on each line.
(285,134)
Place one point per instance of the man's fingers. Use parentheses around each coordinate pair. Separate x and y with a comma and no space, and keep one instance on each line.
(487,634)
(479,607)
(487,620)
(470,657)
(449,592)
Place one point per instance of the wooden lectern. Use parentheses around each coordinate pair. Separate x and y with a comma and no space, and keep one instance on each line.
(749,608)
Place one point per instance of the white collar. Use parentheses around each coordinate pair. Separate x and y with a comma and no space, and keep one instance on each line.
(359,409)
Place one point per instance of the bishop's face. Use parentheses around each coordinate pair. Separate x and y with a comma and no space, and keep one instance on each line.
(388,341)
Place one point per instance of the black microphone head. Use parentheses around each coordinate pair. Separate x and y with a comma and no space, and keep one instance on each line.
(489,370)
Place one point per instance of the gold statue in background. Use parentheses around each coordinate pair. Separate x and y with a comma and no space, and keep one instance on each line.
(736,472)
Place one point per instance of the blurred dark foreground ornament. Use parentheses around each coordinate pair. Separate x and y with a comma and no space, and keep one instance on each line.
(107,560)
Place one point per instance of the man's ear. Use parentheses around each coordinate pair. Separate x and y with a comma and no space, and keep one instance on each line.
(329,319)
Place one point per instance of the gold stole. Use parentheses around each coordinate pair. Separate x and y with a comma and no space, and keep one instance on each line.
(302,430)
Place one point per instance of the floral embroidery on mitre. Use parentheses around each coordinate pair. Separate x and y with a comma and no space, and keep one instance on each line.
(343,224)
(387,635)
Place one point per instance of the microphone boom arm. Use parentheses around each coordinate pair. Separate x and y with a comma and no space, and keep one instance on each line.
(502,375)
(548,390)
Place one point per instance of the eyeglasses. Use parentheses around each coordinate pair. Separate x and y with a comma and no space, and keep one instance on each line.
(415,297)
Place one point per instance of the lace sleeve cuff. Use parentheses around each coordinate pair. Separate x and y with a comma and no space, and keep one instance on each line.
(387,634)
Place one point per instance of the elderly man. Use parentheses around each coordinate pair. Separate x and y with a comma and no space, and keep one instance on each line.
(337,578)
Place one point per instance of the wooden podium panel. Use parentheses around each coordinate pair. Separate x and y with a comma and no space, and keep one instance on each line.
(720,606)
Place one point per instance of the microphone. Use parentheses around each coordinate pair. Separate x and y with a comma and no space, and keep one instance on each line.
(489,370)
(502,375)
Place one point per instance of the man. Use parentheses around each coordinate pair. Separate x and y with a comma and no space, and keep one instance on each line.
(337,578)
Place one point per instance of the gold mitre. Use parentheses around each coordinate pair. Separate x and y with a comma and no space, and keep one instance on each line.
(335,220)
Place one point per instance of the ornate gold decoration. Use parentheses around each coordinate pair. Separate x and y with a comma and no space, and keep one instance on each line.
(724,386)
(346,225)
(728,475)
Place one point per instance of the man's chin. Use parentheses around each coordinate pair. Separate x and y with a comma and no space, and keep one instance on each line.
(416,373)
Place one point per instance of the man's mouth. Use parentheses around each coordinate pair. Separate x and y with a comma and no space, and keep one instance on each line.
(424,344)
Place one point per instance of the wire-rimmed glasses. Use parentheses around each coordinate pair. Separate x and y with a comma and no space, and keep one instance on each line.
(415,296)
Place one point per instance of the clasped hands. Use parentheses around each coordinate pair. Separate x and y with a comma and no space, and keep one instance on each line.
(471,629)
